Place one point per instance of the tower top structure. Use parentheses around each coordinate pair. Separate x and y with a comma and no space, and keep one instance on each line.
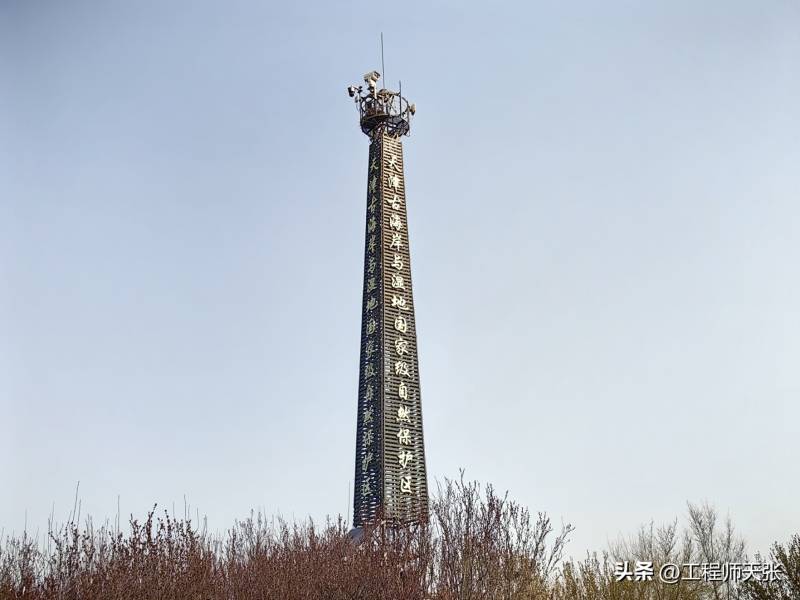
(381,109)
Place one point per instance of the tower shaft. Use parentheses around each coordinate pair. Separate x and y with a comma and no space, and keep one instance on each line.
(390,477)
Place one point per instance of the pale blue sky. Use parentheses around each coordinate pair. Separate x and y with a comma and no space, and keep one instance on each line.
(603,209)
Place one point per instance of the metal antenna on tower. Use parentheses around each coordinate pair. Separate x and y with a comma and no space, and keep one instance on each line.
(383,68)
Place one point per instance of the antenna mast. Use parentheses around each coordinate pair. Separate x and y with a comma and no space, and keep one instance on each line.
(383,69)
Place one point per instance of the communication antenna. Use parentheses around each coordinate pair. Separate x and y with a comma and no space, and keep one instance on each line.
(400,94)
(383,69)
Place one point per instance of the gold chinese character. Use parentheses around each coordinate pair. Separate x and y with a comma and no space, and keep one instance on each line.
(372,303)
(401,368)
(404,457)
(372,184)
(401,346)
(394,201)
(397,241)
(394,181)
(369,371)
(371,284)
(368,415)
(372,326)
(368,437)
(404,435)
(395,222)
(403,415)
(371,244)
(398,301)
(374,165)
(405,484)
(398,281)
(400,324)
(402,391)
(369,393)
(371,265)
(366,489)
(369,350)
(365,462)
(373,203)
(397,261)
(372,224)
(393,163)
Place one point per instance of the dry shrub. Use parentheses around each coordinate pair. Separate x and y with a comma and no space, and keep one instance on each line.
(788,587)
(488,547)
(478,546)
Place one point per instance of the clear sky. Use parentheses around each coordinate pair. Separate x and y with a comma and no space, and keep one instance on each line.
(604,204)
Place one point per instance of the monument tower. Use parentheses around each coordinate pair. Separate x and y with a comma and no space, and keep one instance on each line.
(390,481)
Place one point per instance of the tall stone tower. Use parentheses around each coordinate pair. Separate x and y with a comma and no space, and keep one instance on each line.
(390,481)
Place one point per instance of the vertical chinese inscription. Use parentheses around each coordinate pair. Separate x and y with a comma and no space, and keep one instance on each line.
(405,485)
(391,482)
(368,494)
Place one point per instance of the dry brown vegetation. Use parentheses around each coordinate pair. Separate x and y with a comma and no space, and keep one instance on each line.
(479,545)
